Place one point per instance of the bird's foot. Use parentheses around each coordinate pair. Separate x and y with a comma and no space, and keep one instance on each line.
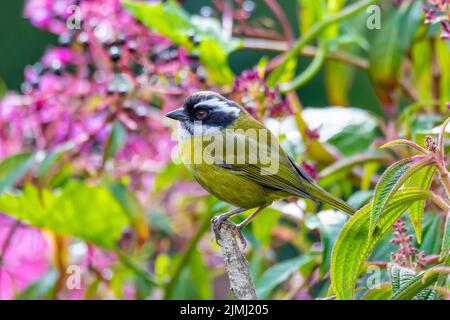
(217,223)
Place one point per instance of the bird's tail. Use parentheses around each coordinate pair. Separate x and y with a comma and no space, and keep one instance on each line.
(323,196)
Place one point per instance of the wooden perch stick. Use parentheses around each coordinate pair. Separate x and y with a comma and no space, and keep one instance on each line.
(241,282)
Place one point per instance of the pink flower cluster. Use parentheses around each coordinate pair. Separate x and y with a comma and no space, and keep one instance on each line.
(407,255)
(438,11)
(251,90)
(108,68)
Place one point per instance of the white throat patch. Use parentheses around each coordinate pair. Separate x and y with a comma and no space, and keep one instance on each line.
(198,129)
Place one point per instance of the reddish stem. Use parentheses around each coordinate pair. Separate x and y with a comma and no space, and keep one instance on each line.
(282,19)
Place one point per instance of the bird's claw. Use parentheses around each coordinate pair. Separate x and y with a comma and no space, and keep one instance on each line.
(217,223)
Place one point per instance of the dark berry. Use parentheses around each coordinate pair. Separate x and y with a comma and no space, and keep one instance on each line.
(114,53)
(39,68)
(132,46)
(57,67)
(65,39)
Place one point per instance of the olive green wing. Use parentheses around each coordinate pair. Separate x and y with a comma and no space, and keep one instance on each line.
(271,167)
(287,177)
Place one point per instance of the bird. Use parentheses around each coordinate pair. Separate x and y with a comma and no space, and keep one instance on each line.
(237,159)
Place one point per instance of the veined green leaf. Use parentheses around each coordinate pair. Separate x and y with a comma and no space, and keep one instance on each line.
(391,180)
(353,245)
(415,286)
(173,22)
(402,142)
(399,276)
(90,213)
(402,278)
(421,180)
(13,168)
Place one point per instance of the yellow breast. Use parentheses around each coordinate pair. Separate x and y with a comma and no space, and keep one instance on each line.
(222,183)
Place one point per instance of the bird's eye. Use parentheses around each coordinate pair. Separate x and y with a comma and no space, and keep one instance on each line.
(201,114)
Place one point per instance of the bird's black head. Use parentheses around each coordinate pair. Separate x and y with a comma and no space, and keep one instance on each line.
(208,109)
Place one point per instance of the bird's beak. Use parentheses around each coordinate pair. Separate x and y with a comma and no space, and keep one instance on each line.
(177,114)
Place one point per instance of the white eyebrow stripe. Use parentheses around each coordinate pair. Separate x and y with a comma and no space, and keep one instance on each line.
(221,105)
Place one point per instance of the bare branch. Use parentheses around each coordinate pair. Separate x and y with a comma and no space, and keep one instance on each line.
(241,282)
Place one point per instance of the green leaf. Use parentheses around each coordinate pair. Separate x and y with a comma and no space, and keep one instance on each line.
(403,142)
(389,45)
(87,212)
(421,180)
(421,69)
(432,235)
(353,245)
(360,198)
(445,249)
(278,274)
(131,206)
(264,224)
(173,22)
(283,73)
(311,11)
(391,180)
(3,88)
(116,140)
(200,276)
(400,276)
(339,75)
(370,170)
(51,158)
(40,288)
(173,172)
(261,67)
(341,168)
(331,223)
(13,168)
(443,52)
(381,293)
(414,286)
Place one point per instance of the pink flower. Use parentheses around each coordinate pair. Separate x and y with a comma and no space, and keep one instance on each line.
(63,56)
(258,98)
(24,256)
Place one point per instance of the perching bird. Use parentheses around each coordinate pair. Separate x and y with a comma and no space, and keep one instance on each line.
(238,160)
